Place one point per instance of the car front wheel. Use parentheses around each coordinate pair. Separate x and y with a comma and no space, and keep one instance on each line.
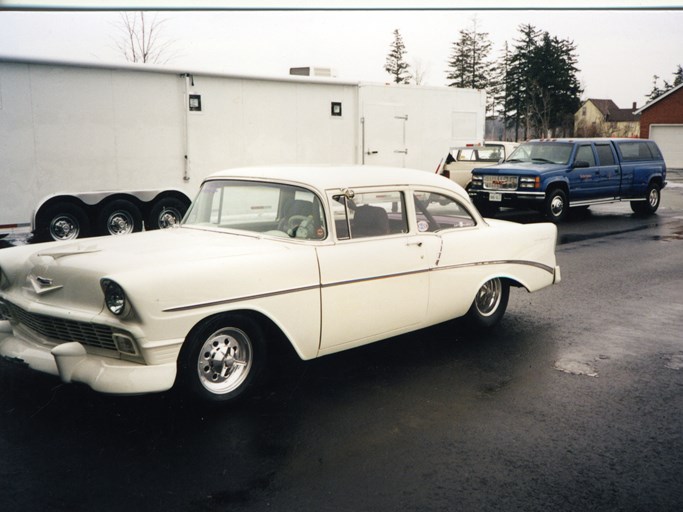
(223,359)
(490,303)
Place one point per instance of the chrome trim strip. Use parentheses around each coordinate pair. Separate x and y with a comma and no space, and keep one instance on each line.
(474,193)
(239,299)
(550,270)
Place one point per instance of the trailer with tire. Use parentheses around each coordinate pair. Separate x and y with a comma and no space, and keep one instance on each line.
(92,149)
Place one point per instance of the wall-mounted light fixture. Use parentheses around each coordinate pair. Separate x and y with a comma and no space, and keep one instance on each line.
(336,109)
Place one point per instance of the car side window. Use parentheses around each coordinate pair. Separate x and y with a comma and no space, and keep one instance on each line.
(436,212)
(585,154)
(605,155)
(369,214)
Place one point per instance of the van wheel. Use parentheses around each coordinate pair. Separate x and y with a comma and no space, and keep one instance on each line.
(490,303)
(653,197)
(119,217)
(223,359)
(166,213)
(556,206)
(63,221)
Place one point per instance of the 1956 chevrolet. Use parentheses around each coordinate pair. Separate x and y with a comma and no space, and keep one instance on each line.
(327,258)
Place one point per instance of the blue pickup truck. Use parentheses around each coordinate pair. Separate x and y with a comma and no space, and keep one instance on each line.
(552,176)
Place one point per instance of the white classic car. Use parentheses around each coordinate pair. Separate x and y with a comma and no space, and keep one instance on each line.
(327,258)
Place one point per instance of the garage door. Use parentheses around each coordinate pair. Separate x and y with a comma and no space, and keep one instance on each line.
(669,138)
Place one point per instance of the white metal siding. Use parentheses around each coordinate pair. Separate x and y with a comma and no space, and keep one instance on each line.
(669,138)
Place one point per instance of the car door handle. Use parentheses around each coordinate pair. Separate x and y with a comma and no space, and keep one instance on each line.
(416,244)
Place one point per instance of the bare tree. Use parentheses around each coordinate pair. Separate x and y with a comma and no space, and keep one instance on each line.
(420,71)
(141,38)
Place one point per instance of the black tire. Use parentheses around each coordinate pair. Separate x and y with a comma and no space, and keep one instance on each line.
(489,304)
(165,213)
(653,198)
(62,221)
(556,205)
(222,360)
(119,217)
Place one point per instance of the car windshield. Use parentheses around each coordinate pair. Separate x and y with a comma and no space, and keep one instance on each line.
(266,208)
(542,152)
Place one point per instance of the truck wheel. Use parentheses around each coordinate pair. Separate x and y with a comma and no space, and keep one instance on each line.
(63,221)
(490,303)
(166,213)
(556,206)
(222,360)
(653,197)
(119,217)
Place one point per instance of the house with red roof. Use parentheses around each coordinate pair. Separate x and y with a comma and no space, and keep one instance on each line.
(603,118)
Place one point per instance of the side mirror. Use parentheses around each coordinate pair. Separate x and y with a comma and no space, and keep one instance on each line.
(580,164)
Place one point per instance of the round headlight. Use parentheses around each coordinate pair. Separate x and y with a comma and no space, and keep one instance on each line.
(114,298)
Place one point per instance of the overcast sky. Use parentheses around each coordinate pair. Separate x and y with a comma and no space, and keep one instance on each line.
(618,51)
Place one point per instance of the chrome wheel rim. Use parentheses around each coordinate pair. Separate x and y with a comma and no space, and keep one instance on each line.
(169,217)
(225,360)
(556,206)
(64,227)
(120,223)
(488,297)
(653,197)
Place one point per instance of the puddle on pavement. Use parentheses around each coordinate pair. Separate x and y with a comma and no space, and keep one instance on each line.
(576,367)
(674,235)
(675,362)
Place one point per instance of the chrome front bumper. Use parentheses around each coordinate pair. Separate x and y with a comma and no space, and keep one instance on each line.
(72,363)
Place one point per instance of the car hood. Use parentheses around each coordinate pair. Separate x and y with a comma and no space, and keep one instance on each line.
(68,275)
(520,168)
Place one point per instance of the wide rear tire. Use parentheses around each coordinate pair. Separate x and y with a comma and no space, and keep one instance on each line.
(490,303)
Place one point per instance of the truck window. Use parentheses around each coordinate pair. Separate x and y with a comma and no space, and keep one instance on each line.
(605,155)
(585,154)
(654,150)
(634,150)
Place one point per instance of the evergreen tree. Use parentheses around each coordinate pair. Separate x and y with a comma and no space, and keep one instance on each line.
(496,91)
(521,73)
(657,91)
(469,65)
(678,76)
(542,90)
(395,64)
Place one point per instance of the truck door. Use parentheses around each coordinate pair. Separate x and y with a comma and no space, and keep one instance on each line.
(384,134)
(584,181)
(610,172)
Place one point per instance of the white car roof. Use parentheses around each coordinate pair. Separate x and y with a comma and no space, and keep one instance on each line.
(326,177)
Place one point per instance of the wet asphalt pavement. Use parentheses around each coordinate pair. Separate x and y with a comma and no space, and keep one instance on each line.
(575,402)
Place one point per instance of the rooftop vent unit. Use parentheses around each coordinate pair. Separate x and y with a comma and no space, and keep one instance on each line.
(312,71)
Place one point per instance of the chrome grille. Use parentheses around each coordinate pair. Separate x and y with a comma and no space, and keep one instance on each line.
(60,330)
(500,182)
